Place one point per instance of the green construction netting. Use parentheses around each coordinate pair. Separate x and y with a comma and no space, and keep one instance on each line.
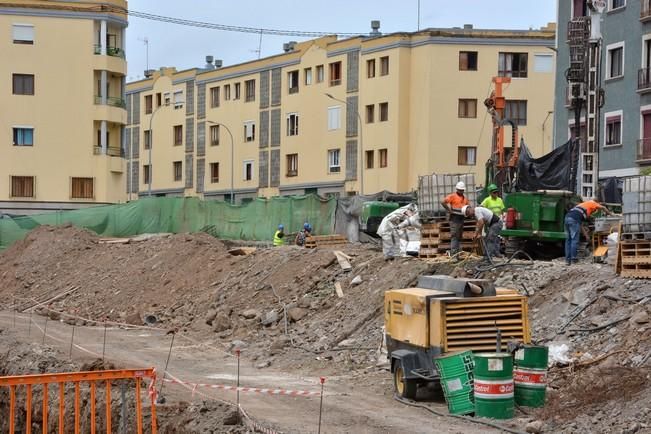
(256,220)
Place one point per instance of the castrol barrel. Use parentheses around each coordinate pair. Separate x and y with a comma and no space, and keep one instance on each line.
(530,375)
(493,385)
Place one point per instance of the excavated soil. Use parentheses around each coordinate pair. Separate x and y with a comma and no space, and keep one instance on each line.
(280,307)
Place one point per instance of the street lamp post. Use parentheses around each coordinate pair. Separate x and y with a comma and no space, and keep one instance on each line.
(361,143)
(232,156)
(151,144)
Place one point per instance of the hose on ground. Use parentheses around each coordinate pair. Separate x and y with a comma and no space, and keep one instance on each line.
(457,416)
(492,265)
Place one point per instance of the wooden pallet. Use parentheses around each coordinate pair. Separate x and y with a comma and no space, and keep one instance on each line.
(630,236)
(634,257)
(466,235)
(325,241)
(429,240)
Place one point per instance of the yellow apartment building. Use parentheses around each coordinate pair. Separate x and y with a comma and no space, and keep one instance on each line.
(331,116)
(62,111)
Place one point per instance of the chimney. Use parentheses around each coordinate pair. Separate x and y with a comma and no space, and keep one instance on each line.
(209,65)
(218,63)
(149,73)
(375,28)
(286,47)
(467,27)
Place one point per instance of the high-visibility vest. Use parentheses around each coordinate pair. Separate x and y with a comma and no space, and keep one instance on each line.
(278,239)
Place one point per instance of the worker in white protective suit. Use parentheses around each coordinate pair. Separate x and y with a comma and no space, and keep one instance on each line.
(391,227)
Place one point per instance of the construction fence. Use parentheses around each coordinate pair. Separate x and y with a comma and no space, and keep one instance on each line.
(254,221)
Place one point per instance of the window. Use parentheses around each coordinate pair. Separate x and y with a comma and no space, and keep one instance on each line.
(543,62)
(370,113)
(292,81)
(512,65)
(146,174)
(227,92)
(82,188)
(178,135)
(23,136)
(613,130)
(214,173)
(237,91)
(335,74)
(369,159)
(248,170)
(214,135)
(616,4)
(467,61)
(334,118)
(384,65)
(23,84)
(516,110)
(178,99)
(147,139)
(292,124)
(148,104)
(333,161)
(467,155)
(383,157)
(249,131)
(370,68)
(384,111)
(319,73)
(158,99)
(22,186)
(467,108)
(167,98)
(307,72)
(615,60)
(178,170)
(292,165)
(250,90)
(214,96)
(23,34)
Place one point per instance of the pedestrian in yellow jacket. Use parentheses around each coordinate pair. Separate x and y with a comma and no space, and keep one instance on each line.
(493,202)
(279,236)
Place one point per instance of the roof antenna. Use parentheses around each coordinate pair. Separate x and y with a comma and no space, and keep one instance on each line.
(145,41)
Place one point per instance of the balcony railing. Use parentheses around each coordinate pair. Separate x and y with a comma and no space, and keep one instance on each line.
(113,152)
(111,51)
(112,101)
(644,79)
(645,10)
(644,149)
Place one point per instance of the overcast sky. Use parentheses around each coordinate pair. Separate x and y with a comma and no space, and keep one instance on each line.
(186,47)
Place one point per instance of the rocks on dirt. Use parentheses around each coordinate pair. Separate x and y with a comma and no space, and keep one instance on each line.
(134,318)
(279,344)
(221,323)
(263,364)
(250,314)
(535,427)
(270,318)
(210,316)
(641,317)
(237,345)
(296,314)
(356,281)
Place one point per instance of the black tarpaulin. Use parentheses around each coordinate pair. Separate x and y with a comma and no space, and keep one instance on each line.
(549,172)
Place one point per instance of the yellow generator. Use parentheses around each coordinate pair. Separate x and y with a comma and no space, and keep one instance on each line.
(443,315)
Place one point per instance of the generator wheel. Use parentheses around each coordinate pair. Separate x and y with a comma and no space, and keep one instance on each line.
(404,388)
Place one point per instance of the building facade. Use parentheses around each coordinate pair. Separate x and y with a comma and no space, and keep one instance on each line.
(332,116)
(622,129)
(63,112)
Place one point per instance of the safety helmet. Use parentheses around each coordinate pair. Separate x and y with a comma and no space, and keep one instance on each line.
(491,188)
(306,226)
(460,186)
(464,209)
(281,227)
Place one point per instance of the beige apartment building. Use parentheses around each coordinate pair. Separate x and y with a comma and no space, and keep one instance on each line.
(332,116)
(62,109)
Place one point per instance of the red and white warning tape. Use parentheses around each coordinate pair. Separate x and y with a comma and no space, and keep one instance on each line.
(284,392)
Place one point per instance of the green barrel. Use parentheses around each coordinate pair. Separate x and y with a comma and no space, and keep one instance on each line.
(494,385)
(456,370)
(530,375)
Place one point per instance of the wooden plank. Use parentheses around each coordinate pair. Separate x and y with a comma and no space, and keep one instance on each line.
(340,292)
(343,261)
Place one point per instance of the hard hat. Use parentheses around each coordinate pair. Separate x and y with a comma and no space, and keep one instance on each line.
(491,188)
(460,185)
(306,226)
(281,227)
(464,209)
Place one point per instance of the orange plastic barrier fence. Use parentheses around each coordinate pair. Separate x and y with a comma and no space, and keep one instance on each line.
(76,378)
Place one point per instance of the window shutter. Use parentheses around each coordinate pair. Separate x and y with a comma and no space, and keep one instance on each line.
(23,32)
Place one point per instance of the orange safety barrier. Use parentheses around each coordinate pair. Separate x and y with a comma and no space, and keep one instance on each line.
(77,378)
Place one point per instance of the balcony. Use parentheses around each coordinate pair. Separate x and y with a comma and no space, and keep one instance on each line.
(112,101)
(644,80)
(645,10)
(111,51)
(644,150)
(111,152)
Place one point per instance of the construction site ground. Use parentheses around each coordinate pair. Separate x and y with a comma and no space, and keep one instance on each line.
(280,308)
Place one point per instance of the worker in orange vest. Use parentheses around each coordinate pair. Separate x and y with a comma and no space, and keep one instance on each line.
(573,221)
(453,203)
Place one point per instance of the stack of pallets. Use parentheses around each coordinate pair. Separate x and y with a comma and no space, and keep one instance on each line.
(325,241)
(429,240)
(445,236)
(634,258)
